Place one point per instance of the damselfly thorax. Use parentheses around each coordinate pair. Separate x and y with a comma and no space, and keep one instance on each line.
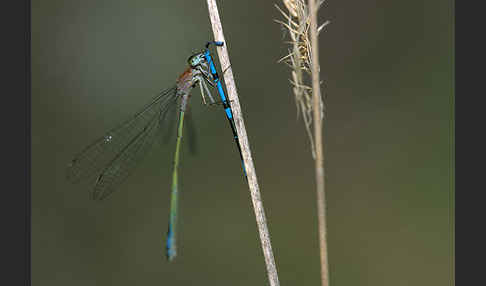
(197,72)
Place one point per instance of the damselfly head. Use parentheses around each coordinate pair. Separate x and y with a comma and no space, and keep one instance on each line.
(196,59)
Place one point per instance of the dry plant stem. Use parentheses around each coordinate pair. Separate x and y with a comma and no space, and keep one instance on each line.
(245,146)
(319,161)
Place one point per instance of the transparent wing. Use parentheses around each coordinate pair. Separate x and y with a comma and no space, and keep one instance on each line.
(126,161)
(190,130)
(112,157)
(170,122)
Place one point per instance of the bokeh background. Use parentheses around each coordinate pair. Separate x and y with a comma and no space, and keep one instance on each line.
(388,78)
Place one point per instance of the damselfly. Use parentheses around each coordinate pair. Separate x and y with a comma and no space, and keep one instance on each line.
(110,159)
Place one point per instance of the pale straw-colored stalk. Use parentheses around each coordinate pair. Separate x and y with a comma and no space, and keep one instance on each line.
(303,59)
(244,143)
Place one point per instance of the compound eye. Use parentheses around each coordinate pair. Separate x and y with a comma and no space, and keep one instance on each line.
(192,60)
(196,59)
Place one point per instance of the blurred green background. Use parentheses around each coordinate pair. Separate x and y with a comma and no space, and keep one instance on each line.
(388,77)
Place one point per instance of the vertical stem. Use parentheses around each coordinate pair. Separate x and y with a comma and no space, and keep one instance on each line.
(320,183)
(245,145)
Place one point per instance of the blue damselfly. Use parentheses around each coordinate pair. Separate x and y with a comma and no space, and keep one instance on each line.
(109,160)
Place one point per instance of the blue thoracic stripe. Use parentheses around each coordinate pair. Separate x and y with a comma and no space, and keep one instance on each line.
(228,112)
(221,92)
(226,104)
